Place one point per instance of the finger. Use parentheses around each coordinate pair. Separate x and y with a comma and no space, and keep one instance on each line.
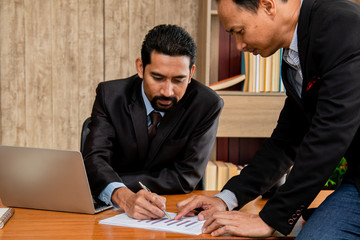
(157,200)
(158,203)
(144,211)
(153,198)
(208,222)
(186,209)
(241,231)
(144,205)
(139,215)
(190,214)
(180,205)
(203,215)
(231,230)
(218,220)
(210,226)
(154,211)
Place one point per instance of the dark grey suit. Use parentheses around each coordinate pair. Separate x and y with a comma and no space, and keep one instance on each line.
(117,148)
(315,131)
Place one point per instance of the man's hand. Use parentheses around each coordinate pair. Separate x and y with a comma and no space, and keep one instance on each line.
(208,204)
(238,224)
(142,205)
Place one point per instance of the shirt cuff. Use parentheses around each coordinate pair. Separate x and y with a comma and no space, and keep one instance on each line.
(106,194)
(229,198)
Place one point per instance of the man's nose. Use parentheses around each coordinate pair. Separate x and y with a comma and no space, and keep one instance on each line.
(240,45)
(167,89)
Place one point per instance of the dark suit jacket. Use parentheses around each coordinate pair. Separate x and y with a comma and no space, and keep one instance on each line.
(117,148)
(313,133)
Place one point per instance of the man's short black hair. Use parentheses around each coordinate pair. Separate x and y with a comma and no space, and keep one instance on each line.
(170,40)
(250,5)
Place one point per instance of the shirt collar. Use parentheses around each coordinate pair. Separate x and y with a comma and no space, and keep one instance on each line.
(294,42)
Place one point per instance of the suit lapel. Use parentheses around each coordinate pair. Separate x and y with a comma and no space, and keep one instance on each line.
(138,115)
(303,39)
(290,90)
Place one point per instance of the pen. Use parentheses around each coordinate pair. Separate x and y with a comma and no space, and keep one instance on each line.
(146,189)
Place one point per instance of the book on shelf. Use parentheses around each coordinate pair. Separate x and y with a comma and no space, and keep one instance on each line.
(5,215)
(228,82)
(267,74)
(262,74)
(211,176)
(246,63)
(217,174)
(222,174)
(252,73)
(233,170)
(257,73)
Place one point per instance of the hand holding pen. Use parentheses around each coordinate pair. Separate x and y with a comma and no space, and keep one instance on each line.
(148,190)
(140,205)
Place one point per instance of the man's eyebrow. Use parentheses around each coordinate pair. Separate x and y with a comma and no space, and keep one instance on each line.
(160,75)
(180,76)
(157,74)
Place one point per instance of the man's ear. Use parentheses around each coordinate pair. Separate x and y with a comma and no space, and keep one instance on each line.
(139,67)
(269,6)
(192,72)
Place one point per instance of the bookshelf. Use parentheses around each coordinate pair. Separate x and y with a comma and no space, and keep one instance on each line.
(250,117)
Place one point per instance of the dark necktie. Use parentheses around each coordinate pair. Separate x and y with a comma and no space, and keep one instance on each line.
(155,119)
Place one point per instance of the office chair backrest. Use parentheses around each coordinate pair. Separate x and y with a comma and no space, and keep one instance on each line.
(84,132)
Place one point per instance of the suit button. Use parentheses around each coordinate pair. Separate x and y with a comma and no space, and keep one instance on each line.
(302,207)
(294,217)
(291,221)
(298,212)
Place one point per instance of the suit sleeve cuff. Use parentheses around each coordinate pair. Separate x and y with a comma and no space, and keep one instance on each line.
(106,194)
(229,198)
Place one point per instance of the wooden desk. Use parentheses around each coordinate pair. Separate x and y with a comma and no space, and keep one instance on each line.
(40,224)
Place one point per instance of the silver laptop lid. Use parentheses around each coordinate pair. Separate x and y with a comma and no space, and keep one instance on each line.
(44,179)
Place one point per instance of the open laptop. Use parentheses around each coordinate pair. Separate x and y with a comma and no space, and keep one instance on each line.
(46,179)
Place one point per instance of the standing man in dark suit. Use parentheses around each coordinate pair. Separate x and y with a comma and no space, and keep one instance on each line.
(318,125)
(119,152)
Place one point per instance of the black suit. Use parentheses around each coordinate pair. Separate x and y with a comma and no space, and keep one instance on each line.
(117,148)
(315,131)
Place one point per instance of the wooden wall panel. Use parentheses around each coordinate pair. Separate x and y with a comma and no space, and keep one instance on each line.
(55,52)
(91,54)
(38,66)
(159,6)
(116,39)
(189,18)
(12,72)
(141,20)
(173,10)
(65,73)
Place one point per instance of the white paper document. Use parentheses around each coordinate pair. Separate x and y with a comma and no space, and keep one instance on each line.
(186,225)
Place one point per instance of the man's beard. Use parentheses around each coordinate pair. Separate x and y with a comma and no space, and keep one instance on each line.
(163,108)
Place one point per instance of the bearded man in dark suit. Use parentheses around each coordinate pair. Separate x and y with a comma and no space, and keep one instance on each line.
(119,152)
(318,125)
